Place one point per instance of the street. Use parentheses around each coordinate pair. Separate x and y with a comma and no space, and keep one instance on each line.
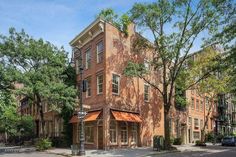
(210,151)
(186,151)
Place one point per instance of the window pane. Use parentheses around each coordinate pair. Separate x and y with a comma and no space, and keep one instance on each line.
(99,84)
(115,83)
(88,59)
(192,103)
(88,83)
(89,134)
(100,49)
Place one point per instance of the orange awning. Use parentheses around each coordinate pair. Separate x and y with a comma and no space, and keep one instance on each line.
(91,116)
(126,116)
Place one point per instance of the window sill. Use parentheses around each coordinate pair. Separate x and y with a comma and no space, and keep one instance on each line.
(113,144)
(116,94)
(99,93)
(124,143)
(89,142)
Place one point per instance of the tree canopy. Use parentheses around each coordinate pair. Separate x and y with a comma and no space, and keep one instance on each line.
(40,67)
(175,27)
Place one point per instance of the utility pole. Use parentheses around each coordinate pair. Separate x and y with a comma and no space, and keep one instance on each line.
(81,113)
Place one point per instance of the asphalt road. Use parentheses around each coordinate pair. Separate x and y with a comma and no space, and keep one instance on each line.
(218,151)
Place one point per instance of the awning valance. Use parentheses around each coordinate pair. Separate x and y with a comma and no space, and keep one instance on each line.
(91,116)
(126,116)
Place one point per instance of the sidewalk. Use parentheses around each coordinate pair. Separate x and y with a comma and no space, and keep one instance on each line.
(129,152)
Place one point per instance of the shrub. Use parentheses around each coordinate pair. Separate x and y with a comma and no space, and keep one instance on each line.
(209,137)
(200,143)
(43,144)
(172,140)
(177,141)
(59,142)
(219,137)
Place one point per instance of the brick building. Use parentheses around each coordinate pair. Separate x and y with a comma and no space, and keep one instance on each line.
(197,112)
(53,121)
(121,111)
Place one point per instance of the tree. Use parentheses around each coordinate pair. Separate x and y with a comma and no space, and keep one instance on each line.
(174,25)
(40,66)
(121,22)
(215,83)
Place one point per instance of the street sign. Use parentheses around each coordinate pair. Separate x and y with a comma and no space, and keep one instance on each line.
(81,115)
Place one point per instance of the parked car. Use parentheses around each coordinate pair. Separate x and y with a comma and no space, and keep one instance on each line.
(228,141)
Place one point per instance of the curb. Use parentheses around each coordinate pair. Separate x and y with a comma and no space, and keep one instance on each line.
(147,155)
(62,154)
(161,152)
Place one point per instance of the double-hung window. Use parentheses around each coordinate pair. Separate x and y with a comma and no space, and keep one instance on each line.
(197,105)
(100,49)
(192,103)
(88,59)
(115,84)
(99,84)
(88,87)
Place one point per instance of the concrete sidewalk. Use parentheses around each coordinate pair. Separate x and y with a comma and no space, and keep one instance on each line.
(129,152)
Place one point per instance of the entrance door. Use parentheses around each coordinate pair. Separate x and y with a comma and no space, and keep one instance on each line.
(189,136)
(100,137)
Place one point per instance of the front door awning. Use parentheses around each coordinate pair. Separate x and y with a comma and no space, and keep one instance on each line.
(126,116)
(91,116)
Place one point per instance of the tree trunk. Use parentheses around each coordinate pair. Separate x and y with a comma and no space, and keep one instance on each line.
(40,106)
(206,122)
(167,128)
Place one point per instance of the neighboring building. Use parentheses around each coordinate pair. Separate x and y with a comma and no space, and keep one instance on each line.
(198,108)
(53,122)
(122,111)
(226,122)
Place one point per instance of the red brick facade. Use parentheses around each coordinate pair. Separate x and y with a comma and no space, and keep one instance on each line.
(106,132)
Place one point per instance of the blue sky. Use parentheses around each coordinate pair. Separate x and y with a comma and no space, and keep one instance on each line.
(57,21)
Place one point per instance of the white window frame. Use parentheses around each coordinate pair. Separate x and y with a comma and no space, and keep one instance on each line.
(148,94)
(118,84)
(115,130)
(126,131)
(100,52)
(88,58)
(99,84)
(190,121)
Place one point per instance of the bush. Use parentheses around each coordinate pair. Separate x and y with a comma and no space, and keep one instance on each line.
(200,143)
(59,142)
(209,137)
(219,137)
(172,140)
(177,141)
(43,144)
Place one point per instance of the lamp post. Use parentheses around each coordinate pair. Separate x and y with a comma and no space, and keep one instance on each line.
(81,113)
